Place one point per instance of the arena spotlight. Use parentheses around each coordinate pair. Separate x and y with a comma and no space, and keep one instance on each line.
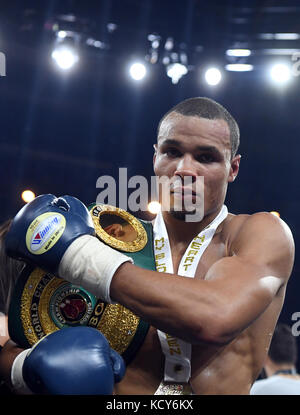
(280,73)
(238,52)
(239,67)
(175,71)
(61,34)
(154,207)
(28,196)
(213,76)
(273,212)
(65,57)
(137,71)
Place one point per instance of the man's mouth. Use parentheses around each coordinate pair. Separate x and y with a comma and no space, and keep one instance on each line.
(184,191)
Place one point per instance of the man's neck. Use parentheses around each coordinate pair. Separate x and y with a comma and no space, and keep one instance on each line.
(279,369)
(180,231)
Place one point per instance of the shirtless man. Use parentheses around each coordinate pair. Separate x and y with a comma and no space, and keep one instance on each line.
(228,311)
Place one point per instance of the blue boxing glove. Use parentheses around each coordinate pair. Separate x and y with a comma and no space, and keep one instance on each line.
(44,228)
(58,235)
(70,361)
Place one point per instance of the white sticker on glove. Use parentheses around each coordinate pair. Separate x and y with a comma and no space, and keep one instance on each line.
(44,232)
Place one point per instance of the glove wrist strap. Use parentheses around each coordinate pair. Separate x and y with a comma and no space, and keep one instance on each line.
(91,264)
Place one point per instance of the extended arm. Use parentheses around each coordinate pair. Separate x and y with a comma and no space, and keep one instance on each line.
(236,289)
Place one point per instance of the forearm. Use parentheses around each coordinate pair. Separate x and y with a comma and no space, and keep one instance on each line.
(171,303)
(7,356)
(213,310)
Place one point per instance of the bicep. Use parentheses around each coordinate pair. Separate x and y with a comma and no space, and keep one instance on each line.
(246,289)
(248,281)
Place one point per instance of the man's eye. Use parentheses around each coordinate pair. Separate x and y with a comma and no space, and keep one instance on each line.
(172,152)
(205,158)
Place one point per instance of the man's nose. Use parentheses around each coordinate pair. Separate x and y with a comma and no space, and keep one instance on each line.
(186,167)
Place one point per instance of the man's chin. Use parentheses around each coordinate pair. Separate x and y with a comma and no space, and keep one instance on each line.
(178,215)
(187,216)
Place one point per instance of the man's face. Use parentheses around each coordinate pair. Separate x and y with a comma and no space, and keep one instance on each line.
(194,147)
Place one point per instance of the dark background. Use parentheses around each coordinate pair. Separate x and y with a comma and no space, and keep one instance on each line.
(60,130)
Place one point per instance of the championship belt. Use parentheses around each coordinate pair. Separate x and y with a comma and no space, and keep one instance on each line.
(42,303)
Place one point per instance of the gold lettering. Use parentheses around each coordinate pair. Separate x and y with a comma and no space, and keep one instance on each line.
(158,242)
(172,342)
(189,259)
(195,245)
(186,266)
(202,238)
(192,252)
(173,351)
(93,321)
(98,309)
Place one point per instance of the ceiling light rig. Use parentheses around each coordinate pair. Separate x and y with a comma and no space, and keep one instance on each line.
(71,34)
(175,71)
(65,57)
(213,76)
(137,71)
(65,51)
(280,73)
(173,57)
(175,60)
(239,67)
(153,54)
(238,58)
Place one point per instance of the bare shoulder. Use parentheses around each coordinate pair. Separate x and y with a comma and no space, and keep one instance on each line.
(260,223)
(260,236)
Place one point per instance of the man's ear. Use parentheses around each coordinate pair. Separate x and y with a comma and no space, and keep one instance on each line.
(234,168)
(155,151)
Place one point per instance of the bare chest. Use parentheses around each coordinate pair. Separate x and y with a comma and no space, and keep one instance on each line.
(203,261)
(145,373)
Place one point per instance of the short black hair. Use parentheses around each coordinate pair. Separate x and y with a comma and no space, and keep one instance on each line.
(203,107)
(283,347)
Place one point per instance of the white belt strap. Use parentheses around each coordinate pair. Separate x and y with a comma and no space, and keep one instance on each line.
(177,352)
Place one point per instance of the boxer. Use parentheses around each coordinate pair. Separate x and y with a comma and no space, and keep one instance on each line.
(220,282)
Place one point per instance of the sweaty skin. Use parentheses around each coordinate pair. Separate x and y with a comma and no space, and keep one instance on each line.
(217,367)
(229,310)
